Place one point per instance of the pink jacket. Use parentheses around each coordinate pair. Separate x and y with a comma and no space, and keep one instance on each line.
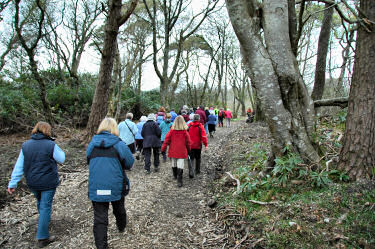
(228,114)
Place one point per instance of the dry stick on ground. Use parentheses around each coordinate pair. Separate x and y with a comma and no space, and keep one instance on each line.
(264,203)
(238,183)
(242,240)
(256,242)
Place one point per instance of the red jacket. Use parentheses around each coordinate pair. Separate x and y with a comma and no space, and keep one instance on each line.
(186,117)
(228,114)
(196,138)
(202,114)
(179,144)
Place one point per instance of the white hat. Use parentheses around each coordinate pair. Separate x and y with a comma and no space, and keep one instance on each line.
(151,116)
(143,119)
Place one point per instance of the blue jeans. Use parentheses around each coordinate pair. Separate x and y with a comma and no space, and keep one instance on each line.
(44,203)
(206,128)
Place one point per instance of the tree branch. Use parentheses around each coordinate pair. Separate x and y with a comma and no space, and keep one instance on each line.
(128,13)
(342,102)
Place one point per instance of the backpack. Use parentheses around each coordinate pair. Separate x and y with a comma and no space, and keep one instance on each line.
(221,114)
(199,130)
(102,151)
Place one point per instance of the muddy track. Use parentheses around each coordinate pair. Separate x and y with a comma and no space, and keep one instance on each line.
(161,215)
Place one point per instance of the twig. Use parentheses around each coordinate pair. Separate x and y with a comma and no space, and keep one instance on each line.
(80,184)
(264,203)
(256,242)
(327,164)
(242,240)
(238,183)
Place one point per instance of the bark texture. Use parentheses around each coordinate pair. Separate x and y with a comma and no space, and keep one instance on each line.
(100,102)
(358,152)
(274,72)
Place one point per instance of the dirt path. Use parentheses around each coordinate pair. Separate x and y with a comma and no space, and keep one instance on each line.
(160,214)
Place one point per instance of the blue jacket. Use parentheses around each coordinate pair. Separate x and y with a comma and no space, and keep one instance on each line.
(38,162)
(211,119)
(165,126)
(173,116)
(106,172)
(127,131)
(139,126)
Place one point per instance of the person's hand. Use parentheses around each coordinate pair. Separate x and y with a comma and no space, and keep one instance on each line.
(11,190)
(205,148)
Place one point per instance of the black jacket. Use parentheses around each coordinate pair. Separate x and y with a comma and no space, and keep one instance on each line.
(151,134)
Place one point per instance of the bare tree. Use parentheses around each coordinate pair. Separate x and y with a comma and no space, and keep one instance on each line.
(30,46)
(100,102)
(172,12)
(78,18)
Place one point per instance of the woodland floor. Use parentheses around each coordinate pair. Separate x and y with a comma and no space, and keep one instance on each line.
(161,215)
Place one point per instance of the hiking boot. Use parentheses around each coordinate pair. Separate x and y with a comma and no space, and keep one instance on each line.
(156,169)
(46,242)
(147,172)
(179,177)
(174,170)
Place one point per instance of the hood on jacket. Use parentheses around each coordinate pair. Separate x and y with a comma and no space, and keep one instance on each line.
(105,139)
(195,123)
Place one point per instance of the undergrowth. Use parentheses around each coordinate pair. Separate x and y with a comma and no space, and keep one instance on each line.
(294,205)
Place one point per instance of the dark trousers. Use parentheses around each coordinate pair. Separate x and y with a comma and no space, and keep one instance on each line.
(139,143)
(101,220)
(221,122)
(195,154)
(147,153)
(132,147)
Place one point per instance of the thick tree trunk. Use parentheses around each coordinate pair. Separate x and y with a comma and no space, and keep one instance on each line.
(321,61)
(274,72)
(116,83)
(358,152)
(99,105)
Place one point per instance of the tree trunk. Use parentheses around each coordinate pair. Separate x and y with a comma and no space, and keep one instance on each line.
(321,61)
(99,104)
(274,72)
(116,82)
(357,156)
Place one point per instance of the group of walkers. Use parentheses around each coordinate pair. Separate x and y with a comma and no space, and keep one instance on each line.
(109,154)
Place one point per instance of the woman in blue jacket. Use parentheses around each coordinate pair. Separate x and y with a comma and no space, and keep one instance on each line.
(211,121)
(165,126)
(108,157)
(37,161)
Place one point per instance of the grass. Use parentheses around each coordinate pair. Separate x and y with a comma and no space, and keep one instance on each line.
(339,215)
